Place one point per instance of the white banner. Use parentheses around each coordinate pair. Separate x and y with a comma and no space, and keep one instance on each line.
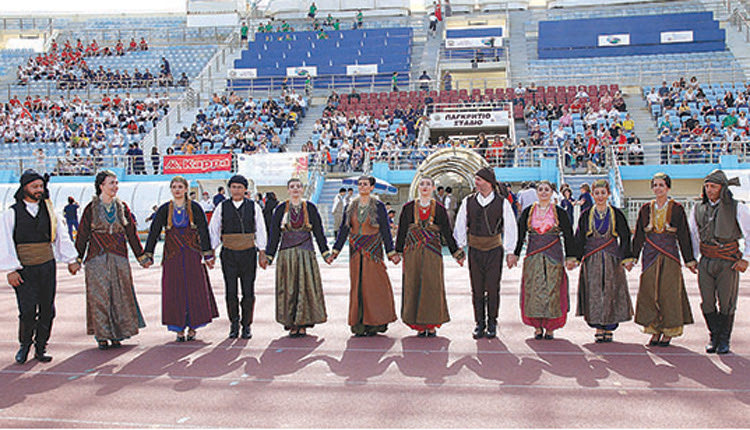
(469,119)
(362,69)
(273,169)
(676,36)
(614,39)
(296,72)
(242,73)
(474,42)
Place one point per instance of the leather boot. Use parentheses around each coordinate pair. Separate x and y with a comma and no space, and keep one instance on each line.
(246,332)
(478,331)
(25,333)
(727,321)
(41,354)
(712,321)
(491,329)
(234,330)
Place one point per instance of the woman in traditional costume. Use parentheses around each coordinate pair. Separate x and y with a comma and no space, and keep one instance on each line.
(603,248)
(187,300)
(299,292)
(106,227)
(423,221)
(544,283)
(365,225)
(662,232)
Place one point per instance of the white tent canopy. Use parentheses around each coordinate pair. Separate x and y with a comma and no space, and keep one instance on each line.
(139,196)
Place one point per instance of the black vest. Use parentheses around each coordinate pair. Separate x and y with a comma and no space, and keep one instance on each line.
(237,220)
(30,229)
(487,220)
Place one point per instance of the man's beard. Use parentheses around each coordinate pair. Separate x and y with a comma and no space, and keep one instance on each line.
(33,196)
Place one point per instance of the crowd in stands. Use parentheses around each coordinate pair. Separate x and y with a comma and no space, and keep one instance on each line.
(348,131)
(67,66)
(86,131)
(235,124)
(582,122)
(314,23)
(698,122)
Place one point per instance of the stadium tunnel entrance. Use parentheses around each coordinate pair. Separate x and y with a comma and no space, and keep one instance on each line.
(450,167)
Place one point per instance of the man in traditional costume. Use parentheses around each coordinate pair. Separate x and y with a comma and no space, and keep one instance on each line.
(717,222)
(33,238)
(485,222)
(366,226)
(239,226)
(662,233)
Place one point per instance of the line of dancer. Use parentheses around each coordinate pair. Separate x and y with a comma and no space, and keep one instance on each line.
(665,237)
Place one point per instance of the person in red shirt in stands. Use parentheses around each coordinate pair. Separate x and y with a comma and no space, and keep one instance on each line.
(116,101)
(79,45)
(15,101)
(106,100)
(132,46)
(143,45)
(119,49)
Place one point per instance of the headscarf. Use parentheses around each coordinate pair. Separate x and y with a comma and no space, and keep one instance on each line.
(719,177)
(238,179)
(488,174)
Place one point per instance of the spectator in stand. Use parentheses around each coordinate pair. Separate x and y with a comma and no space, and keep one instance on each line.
(360,18)
(143,45)
(424,81)
(155,160)
(666,139)
(394,81)
(313,10)
(433,23)
(243,31)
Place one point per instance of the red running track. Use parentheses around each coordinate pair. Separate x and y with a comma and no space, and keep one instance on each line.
(330,379)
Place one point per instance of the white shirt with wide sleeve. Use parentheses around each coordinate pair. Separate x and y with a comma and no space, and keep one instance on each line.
(510,229)
(214,227)
(743,220)
(63,248)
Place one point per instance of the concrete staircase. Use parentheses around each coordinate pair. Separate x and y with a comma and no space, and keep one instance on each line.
(305,129)
(425,51)
(575,182)
(517,46)
(330,189)
(645,124)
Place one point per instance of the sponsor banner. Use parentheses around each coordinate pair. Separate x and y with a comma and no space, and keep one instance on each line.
(362,69)
(273,169)
(174,164)
(242,73)
(474,42)
(469,119)
(295,72)
(676,36)
(614,39)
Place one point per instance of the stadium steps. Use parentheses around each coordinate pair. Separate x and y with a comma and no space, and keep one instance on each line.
(575,182)
(425,55)
(735,41)
(645,127)
(330,189)
(305,130)
(522,132)
(519,59)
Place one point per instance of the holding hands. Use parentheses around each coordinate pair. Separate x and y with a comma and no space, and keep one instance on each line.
(512,260)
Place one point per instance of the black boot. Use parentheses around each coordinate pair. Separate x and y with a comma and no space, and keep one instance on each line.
(41,354)
(246,333)
(234,330)
(478,331)
(25,335)
(23,354)
(491,329)
(727,321)
(712,321)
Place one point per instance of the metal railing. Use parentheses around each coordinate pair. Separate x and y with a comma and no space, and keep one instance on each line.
(368,83)
(616,178)
(411,158)
(191,99)
(90,91)
(154,35)
(631,206)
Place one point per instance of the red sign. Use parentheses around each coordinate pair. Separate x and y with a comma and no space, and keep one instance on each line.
(174,164)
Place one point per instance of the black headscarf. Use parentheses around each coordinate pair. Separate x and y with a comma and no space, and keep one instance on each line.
(28,177)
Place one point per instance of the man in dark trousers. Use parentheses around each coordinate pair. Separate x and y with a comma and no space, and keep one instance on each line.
(71,216)
(485,222)
(716,223)
(32,238)
(238,225)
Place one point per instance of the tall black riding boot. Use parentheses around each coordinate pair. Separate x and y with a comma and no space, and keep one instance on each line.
(727,322)
(712,321)
(25,333)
